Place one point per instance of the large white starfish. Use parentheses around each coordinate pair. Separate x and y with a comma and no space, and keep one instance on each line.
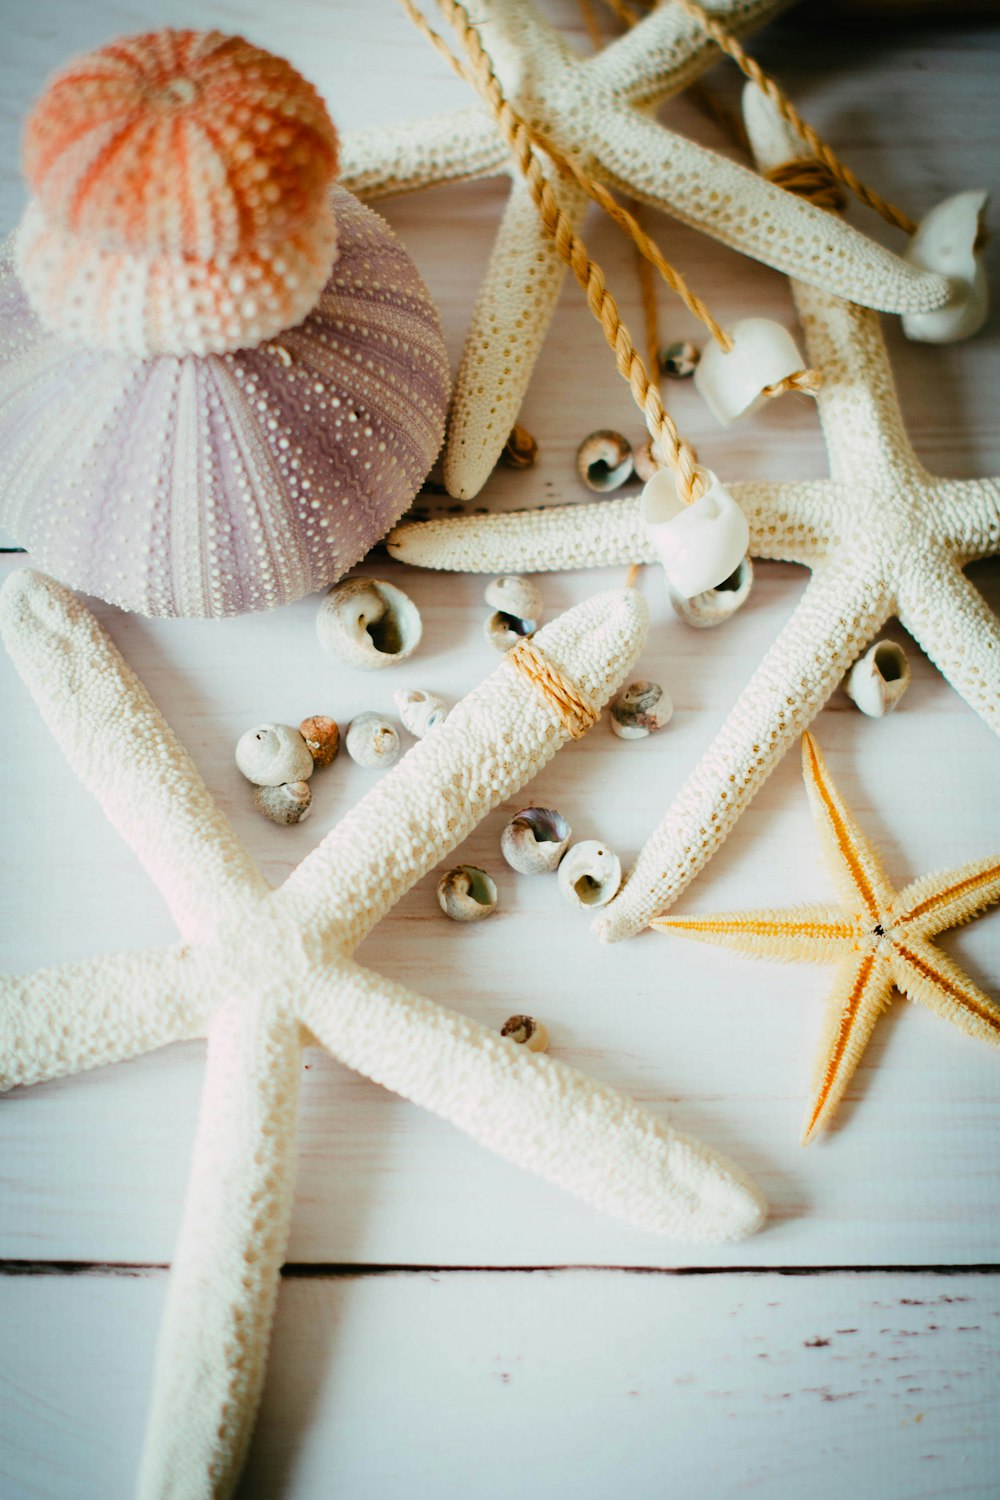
(601,111)
(881,535)
(260,971)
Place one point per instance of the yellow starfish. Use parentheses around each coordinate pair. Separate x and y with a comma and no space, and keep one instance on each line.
(879,938)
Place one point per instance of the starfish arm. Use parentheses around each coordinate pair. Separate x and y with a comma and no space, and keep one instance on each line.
(852,858)
(72,1017)
(124,752)
(489,745)
(223,1286)
(599,534)
(838,614)
(950,898)
(386,160)
(950,620)
(802,934)
(861,991)
(927,975)
(739,208)
(968,511)
(668,49)
(532,1110)
(509,324)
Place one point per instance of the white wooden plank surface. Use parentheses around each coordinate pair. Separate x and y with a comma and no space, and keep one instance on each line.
(391,1385)
(395,1386)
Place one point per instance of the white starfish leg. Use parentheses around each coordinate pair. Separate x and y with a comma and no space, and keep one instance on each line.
(836,617)
(125,753)
(71,1017)
(488,747)
(744,211)
(598,534)
(532,1110)
(970,512)
(401,158)
(525,273)
(950,620)
(223,1286)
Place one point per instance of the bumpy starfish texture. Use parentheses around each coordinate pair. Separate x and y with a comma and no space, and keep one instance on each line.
(600,110)
(881,535)
(879,938)
(262,971)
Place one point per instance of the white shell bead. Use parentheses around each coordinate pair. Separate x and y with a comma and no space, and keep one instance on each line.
(878,681)
(372,741)
(945,241)
(419,711)
(467,894)
(731,383)
(272,754)
(368,623)
(699,545)
(640,709)
(286,804)
(715,605)
(590,874)
(535,840)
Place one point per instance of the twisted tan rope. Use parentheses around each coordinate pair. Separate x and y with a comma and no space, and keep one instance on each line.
(564,696)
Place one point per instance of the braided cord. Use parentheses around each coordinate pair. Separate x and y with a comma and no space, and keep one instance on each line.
(564,696)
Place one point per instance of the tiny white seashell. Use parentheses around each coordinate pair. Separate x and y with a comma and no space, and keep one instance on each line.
(715,605)
(372,741)
(879,679)
(289,803)
(640,709)
(590,874)
(604,461)
(535,840)
(419,711)
(699,545)
(272,754)
(731,383)
(946,240)
(527,1032)
(368,623)
(514,595)
(467,894)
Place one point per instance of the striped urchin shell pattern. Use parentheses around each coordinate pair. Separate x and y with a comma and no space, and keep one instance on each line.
(180,196)
(216,485)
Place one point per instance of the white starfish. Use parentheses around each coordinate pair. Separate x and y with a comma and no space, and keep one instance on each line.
(260,972)
(601,111)
(881,535)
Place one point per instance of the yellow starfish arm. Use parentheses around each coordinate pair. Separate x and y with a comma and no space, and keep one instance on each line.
(224,1280)
(949,898)
(530,1109)
(853,860)
(952,622)
(929,976)
(861,992)
(75,1016)
(125,753)
(802,934)
(385,160)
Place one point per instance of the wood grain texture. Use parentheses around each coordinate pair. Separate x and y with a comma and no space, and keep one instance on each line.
(392,1385)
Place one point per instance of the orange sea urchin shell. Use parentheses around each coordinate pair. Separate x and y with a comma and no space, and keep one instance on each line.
(180,186)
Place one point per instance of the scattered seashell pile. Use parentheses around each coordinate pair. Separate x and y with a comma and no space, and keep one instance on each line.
(279,760)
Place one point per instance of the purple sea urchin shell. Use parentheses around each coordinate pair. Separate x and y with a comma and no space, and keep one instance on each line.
(218,484)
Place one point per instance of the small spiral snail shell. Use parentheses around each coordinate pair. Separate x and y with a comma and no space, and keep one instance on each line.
(527,1032)
(590,874)
(639,710)
(535,840)
(372,741)
(648,460)
(717,605)
(271,754)
(679,361)
(419,711)
(520,449)
(467,894)
(368,623)
(517,603)
(322,736)
(879,679)
(285,804)
(604,461)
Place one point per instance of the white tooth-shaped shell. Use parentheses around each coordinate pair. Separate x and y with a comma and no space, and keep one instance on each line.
(700,544)
(763,353)
(368,623)
(272,754)
(285,804)
(535,840)
(514,595)
(878,681)
(527,1032)
(419,711)
(640,709)
(372,741)
(590,874)
(946,240)
(467,894)
(718,604)
(604,461)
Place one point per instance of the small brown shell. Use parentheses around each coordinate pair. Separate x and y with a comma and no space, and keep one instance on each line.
(640,710)
(467,894)
(527,1032)
(285,804)
(679,361)
(520,449)
(322,735)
